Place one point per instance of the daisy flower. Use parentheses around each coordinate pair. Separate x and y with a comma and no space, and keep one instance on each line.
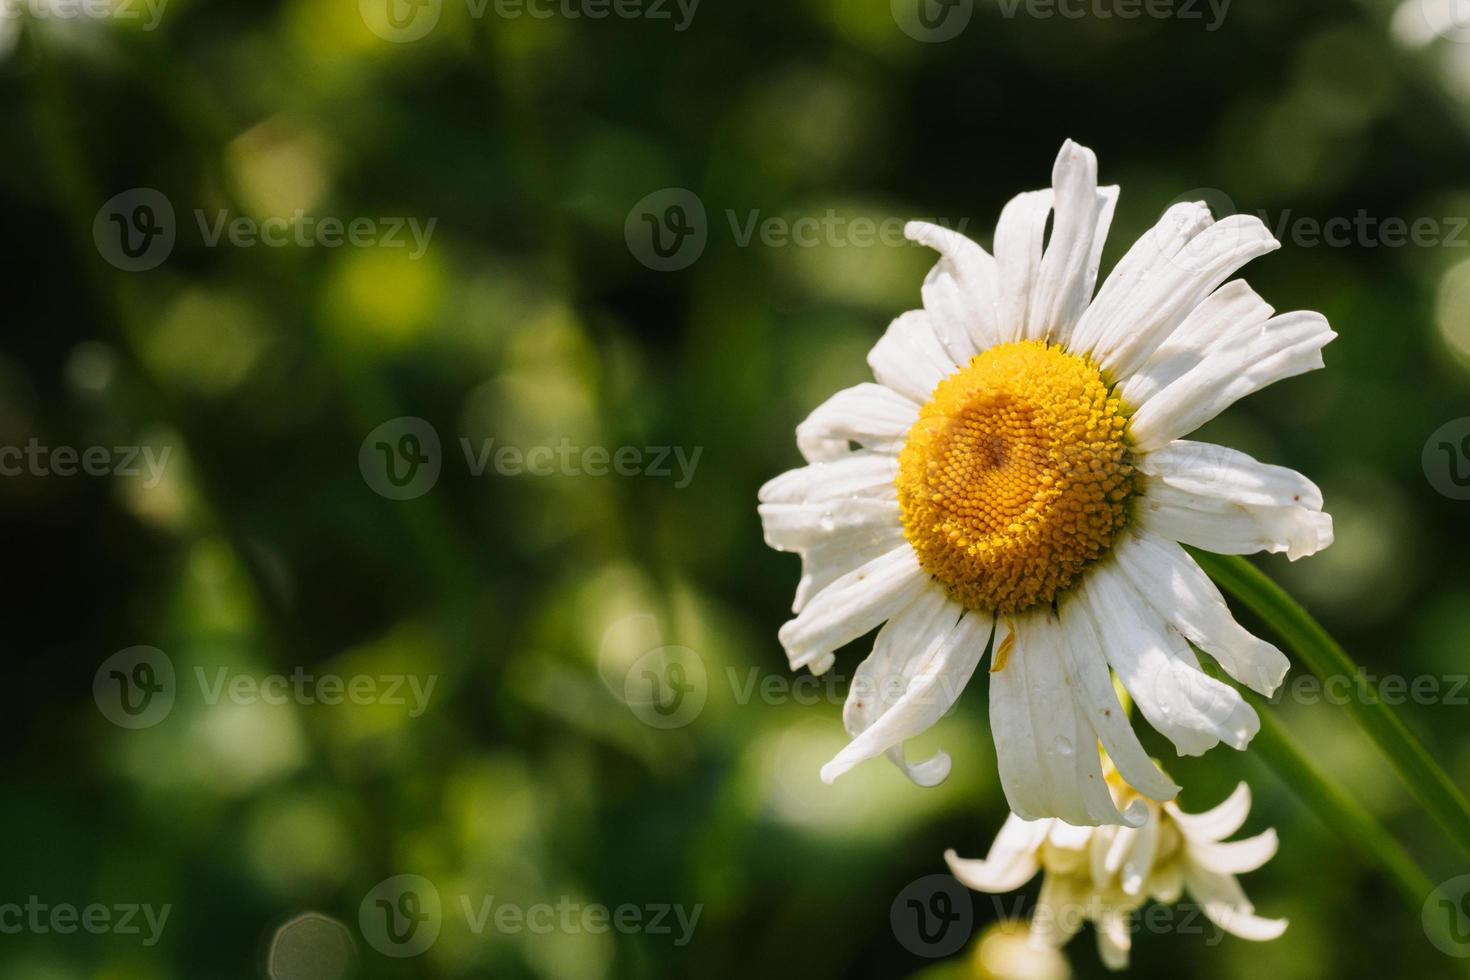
(1016,480)
(1105,874)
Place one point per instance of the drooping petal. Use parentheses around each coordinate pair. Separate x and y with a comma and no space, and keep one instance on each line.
(1180,592)
(1176,267)
(1012,860)
(872,415)
(1234,857)
(1225,904)
(1138,863)
(910,358)
(1282,347)
(1046,749)
(1100,848)
(851,606)
(960,292)
(1187,706)
(1113,939)
(1061,909)
(921,661)
(1218,823)
(1093,688)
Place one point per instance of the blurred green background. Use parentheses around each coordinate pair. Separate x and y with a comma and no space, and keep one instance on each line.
(267,546)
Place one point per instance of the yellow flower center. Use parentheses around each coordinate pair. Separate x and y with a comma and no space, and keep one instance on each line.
(1016,476)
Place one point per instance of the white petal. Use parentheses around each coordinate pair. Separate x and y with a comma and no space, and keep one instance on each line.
(1229,315)
(1138,864)
(1068,837)
(960,291)
(1190,708)
(922,660)
(1046,750)
(1094,690)
(851,606)
(1180,592)
(1019,236)
(1282,347)
(910,358)
(1237,856)
(1061,909)
(1167,882)
(1225,905)
(1104,841)
(801,526)
(838,515)
(1116,300)
(1224,501)
(1113,939)
(863,474)
(1068,270)
(875,417)
(1216,824)
(1012,860)
(1122,329)
(827,561)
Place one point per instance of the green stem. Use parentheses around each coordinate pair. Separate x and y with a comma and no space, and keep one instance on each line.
(1332,804)
(1324,657)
